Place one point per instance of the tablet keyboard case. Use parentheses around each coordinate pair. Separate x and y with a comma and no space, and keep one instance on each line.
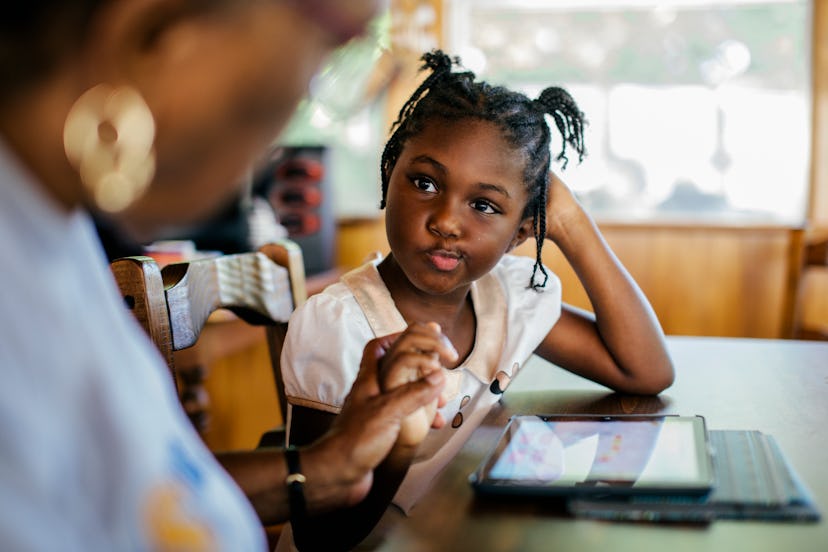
(753,480)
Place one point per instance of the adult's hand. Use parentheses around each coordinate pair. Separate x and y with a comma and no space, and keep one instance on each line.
(421,349)
(339,466)
(370,421)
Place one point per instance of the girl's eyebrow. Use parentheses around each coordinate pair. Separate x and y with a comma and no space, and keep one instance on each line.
(495,188)
(431,161)
(439,167)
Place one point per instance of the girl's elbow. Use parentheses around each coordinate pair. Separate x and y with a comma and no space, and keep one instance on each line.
(651,382)
(659,386)
(658,380)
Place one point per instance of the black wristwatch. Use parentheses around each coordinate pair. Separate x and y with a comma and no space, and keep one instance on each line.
(295,482)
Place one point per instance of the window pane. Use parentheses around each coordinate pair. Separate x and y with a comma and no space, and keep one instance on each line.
(697,110)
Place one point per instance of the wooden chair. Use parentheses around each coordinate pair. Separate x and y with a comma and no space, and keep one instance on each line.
(173,304)
(813,259)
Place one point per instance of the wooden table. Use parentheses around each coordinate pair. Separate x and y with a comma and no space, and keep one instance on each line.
(778,387)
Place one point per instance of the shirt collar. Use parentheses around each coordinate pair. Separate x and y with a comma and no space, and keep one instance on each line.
(376,302)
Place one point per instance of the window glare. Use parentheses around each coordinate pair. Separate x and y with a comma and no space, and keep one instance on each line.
(696,110)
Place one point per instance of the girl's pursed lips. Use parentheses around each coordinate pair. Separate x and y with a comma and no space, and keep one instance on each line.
(443,259)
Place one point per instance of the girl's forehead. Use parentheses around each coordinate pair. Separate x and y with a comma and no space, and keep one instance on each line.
(473,137)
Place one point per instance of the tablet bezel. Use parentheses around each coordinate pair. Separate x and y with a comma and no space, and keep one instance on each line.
(484,484)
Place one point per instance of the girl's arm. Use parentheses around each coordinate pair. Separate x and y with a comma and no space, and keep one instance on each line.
(621,345)
(421,350)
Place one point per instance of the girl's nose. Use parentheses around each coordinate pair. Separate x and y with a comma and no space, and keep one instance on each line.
(445,220)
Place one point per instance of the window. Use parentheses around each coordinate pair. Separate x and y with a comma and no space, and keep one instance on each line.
(345,113)
(698,110)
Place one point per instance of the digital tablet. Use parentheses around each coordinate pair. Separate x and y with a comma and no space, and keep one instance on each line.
(580,455)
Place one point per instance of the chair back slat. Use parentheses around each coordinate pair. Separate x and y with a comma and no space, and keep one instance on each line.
(809,259)
(289,255)
(250,285)
(173,304)
(139,279)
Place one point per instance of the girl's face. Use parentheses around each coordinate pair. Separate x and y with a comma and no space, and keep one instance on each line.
(455,204)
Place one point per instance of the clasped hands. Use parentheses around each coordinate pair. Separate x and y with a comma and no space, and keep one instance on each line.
(421,351)
(393,401)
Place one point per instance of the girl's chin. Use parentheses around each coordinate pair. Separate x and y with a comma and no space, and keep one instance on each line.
(440,287)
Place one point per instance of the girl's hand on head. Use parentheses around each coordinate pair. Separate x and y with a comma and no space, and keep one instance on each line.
(562,208)
(421,350)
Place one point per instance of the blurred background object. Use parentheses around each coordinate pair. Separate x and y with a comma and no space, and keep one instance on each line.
(297,188)
(698,109)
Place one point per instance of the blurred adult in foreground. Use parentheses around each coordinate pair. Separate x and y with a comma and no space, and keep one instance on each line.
(147,112)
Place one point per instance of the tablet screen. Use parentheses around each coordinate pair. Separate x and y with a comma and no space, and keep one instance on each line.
(588,454)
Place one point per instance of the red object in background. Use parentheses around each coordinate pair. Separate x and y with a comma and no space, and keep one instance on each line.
(297,186)
(292,196)
(300,168)
(300,224)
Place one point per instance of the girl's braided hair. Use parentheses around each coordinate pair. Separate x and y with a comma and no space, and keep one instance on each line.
(453,96)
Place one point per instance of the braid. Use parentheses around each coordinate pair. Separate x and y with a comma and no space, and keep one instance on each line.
(539,226)
(440,65)
(559,104)
(568,118)
(453,96)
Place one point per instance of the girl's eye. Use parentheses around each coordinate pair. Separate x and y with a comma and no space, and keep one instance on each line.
(424,184)
(484,207)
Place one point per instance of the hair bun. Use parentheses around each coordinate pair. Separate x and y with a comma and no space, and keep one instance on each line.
(438,61)
(559,104)
(554,98)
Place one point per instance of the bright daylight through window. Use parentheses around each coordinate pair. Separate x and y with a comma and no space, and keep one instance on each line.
(698,110)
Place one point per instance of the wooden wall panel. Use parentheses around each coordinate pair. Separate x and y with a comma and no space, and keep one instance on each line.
(814,300)
(701,281)
(814,293)
(243,403)
(357,239)
(819,134)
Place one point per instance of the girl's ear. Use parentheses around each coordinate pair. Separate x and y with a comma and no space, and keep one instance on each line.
(524,231)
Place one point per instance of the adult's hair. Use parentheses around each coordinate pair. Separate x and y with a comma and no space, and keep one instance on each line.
(36,35)
(454,96)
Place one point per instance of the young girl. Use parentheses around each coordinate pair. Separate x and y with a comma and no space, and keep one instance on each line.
(465,179)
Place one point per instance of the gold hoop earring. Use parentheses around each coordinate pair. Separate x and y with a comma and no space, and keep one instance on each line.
(108,138)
